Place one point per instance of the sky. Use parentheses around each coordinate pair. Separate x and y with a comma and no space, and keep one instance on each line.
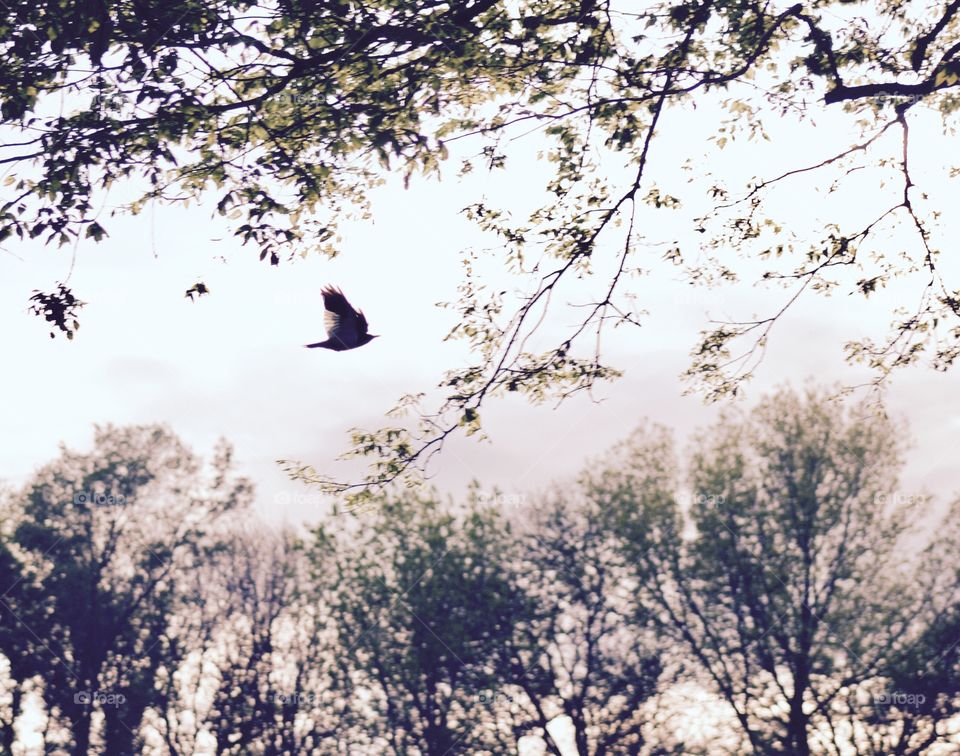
(233,364)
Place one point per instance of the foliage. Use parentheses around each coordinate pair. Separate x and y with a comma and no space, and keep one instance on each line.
(425,603)
(262,670)
(284,115)
(589,652)
(788,595)
(90,578)
(798,595)
(58,308)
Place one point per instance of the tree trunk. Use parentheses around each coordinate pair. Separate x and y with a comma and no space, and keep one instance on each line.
(797,733)
(8,732)
(81,732)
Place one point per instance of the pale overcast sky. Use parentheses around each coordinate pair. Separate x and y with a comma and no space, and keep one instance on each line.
(233,364)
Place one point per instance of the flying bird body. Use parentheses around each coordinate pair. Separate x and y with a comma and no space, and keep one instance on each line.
(346,327)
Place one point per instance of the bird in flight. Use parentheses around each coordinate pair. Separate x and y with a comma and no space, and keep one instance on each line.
(346,327)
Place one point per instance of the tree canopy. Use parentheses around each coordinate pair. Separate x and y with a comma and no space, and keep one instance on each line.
(283,116)
(789,576)
(93,573)
(771,580)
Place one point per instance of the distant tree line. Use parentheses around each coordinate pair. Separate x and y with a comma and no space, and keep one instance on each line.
(770,595)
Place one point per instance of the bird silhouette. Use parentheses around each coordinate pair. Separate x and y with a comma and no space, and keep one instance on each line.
(346,327)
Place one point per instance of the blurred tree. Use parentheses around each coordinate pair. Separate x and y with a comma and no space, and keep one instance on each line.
(264,675)
(12,572)
(99,541)
(285,114)
(468,637)
(798,592)
(917,711)
(589,652)
(425,603)
(792,583)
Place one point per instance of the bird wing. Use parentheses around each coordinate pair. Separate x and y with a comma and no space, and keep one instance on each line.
(362,326)
(340,319)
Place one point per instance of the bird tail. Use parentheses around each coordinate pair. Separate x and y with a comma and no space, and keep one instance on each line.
(318,344)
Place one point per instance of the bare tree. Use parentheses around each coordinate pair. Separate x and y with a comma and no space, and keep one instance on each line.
(790,579)
(263,675)
(588,653)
